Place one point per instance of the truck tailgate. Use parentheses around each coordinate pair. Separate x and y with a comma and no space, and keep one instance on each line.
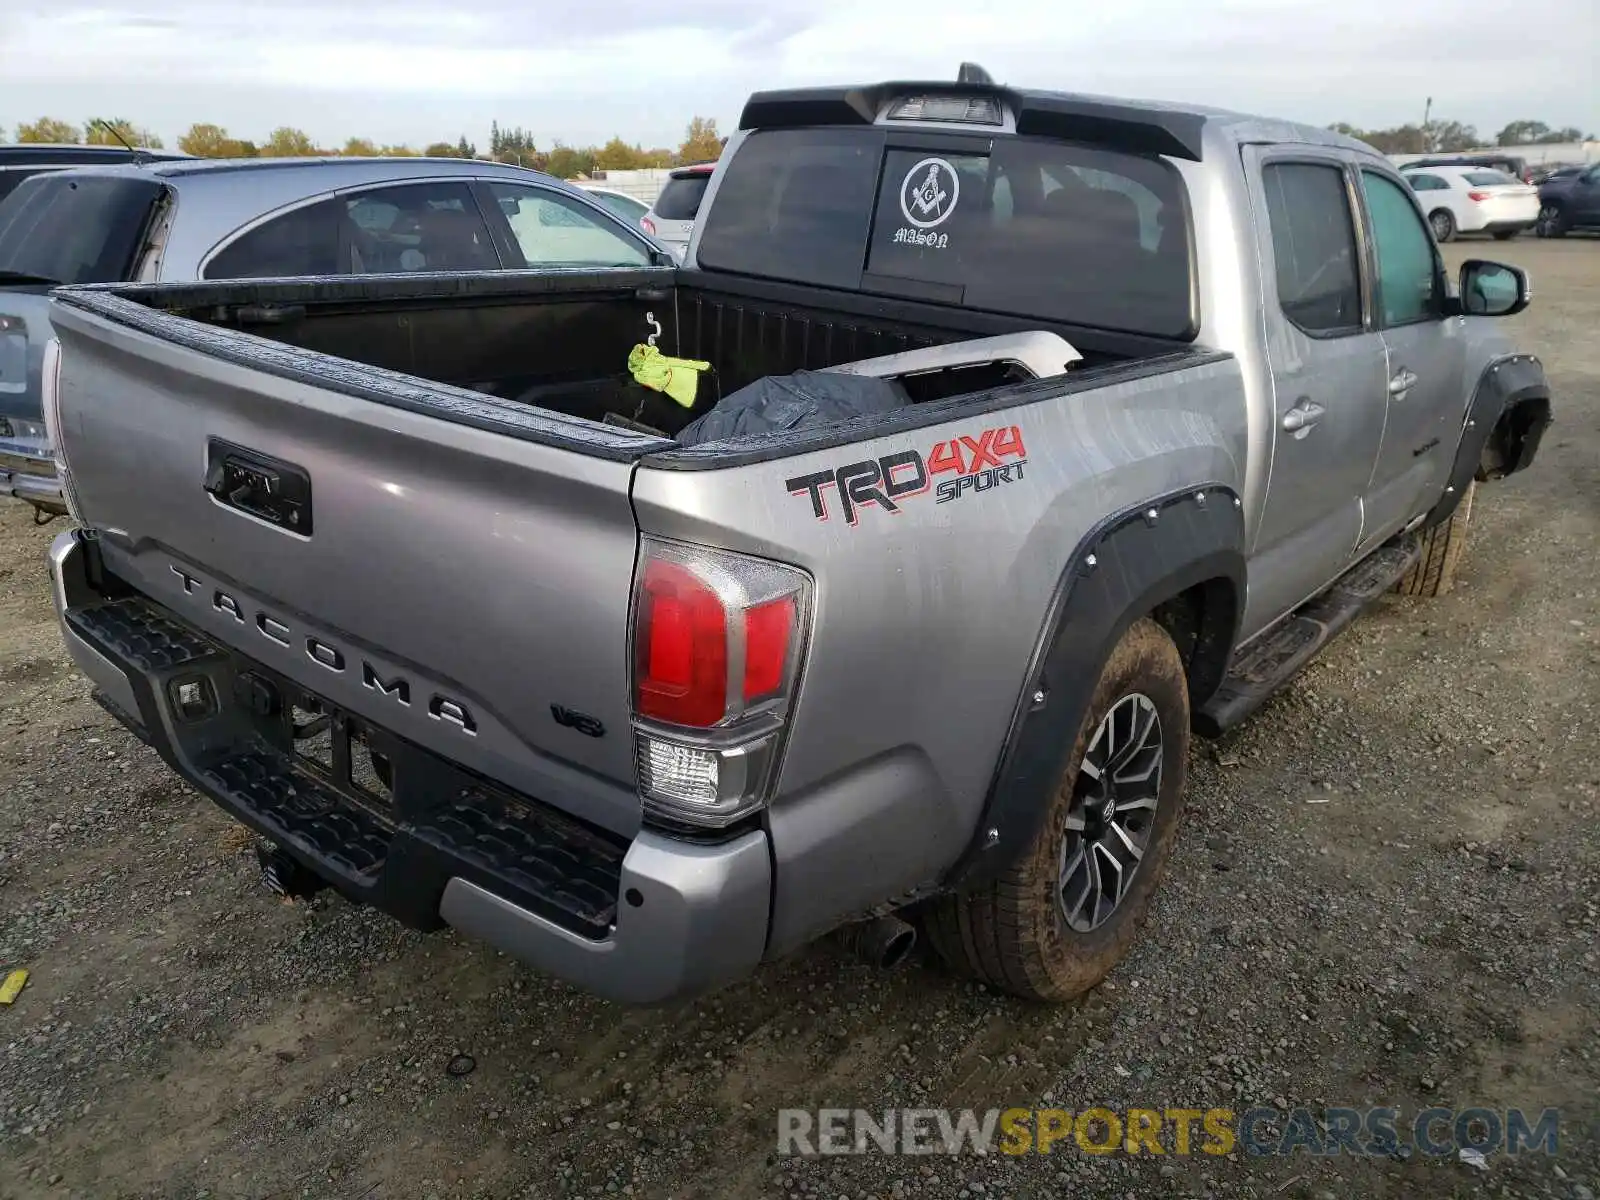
(377,549)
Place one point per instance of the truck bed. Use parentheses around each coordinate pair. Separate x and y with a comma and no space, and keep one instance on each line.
(364,508)
(559,343)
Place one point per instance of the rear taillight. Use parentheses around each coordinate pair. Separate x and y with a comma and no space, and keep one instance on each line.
(50,402)
(649,226)
(1480,197)
(718,641)
(683,637)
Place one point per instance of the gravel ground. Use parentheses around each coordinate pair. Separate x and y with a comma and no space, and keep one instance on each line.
(1385,892)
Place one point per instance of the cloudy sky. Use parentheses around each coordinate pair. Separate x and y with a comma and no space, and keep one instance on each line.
(581,70)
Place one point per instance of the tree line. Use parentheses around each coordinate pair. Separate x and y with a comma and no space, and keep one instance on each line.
(701,143)
(1450,137)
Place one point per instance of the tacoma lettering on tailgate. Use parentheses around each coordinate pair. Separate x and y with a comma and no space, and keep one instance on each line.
(976,464)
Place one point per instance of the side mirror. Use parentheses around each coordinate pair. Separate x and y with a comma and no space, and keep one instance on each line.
(1491,289)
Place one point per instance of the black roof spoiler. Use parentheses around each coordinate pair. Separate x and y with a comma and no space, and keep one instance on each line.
(1140,128)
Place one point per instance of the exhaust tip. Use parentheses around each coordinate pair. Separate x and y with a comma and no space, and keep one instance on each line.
(897,948)
(883,942)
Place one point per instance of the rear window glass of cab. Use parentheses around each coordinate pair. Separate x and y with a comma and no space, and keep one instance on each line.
(1082,235)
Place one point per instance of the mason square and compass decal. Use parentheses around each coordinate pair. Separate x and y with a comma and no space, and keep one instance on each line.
(928,195)
(993,457)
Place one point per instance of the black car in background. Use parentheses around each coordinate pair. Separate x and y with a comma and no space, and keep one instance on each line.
(1569,201)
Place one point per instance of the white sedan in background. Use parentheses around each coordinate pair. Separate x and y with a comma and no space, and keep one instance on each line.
(629,208)
(1474,200)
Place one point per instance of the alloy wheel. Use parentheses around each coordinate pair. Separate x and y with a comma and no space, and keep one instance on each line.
(1112,813)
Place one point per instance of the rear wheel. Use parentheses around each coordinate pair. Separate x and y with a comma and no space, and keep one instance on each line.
(1055,923)
(1552,222)
(1444,225)
(1442,545)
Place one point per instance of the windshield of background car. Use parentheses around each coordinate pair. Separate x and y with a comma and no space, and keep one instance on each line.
(1077,234)
(1490,179)
(75,228)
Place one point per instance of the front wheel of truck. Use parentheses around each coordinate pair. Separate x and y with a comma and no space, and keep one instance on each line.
(1435,571)
(1054,924)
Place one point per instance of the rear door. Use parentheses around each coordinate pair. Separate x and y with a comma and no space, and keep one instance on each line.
(1327,369)
(1585,197)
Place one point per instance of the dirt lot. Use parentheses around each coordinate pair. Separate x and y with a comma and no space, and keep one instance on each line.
(1385,892)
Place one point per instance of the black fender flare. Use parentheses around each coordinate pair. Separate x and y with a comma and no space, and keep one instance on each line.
(1512,386)
(1125,568)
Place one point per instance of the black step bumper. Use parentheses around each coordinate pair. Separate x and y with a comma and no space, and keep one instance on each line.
(390,824)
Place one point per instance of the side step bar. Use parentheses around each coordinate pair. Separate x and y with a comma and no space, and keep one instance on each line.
(1267,663)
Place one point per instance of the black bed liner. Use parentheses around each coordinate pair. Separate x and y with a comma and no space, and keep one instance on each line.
(750,328)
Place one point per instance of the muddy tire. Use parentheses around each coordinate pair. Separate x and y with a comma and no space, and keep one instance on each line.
(1442,545)
(1054,924)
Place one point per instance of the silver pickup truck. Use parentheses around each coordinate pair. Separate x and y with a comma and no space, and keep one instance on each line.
(411,577)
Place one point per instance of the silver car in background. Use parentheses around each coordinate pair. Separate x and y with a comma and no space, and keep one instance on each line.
(671,218)
(255,218)
(630,208)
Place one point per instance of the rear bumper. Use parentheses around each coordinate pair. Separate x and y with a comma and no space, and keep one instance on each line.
(1510,225)
(643,921)
(29,478)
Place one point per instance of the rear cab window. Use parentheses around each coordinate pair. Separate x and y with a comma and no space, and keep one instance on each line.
(680,199)
(73,228)
(1031,226)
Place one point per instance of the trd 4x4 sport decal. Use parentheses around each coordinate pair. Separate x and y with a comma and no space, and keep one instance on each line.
(974,462)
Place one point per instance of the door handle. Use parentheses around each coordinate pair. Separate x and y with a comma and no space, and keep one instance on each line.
(1300,419)
(1402,382)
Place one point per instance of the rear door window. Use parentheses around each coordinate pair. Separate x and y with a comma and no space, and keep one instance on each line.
(680,199)
(1314,247)
(76,228)
(417,227)
(1034,227)
(304,241)
(387,230)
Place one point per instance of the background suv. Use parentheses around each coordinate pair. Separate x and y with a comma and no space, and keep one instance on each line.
(1570,201)
(255,218)
(671,218)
